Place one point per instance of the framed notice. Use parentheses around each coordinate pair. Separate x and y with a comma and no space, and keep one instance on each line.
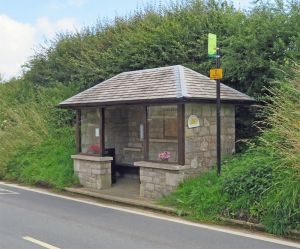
(97,132)
(193,121)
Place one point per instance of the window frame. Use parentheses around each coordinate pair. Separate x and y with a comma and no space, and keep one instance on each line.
(180,133)
(79,131)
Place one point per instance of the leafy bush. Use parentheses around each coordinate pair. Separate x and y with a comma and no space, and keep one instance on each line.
(255,179)
(48,163)
(280,207)
(282,204)
(247,188)
(200,196)
(28,116)
(253,43)
(21,120)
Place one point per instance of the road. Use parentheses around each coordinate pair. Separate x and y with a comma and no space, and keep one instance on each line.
(36,220)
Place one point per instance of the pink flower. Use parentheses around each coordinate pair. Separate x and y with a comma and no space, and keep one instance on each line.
(164,155)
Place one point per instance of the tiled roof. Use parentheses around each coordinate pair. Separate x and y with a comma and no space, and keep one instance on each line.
(157,84)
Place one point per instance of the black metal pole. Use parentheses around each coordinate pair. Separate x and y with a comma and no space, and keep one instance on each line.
(218,112)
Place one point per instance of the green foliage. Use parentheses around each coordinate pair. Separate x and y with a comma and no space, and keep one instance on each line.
(251,188)
(201,196)
(48,163)
(28,116)
(255,180)
(280,207)
(21,122)
(283,137)
(253,43)
(262,184)
(283,115)
(255,46)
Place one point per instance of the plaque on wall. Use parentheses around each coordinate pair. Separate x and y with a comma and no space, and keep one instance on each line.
(193,121)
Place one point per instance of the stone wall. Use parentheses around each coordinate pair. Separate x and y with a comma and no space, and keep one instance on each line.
(93,172)
(159,179)
(200,142)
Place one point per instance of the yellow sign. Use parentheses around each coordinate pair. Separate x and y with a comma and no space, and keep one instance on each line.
(216,73)
(193,121)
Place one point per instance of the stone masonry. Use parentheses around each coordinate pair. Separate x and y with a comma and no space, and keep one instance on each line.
(93,172)
(200,142)
(159,179)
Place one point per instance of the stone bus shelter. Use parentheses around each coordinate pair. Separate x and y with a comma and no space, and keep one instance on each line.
(156,125)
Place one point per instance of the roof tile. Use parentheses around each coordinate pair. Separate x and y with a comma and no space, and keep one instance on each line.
(173,82)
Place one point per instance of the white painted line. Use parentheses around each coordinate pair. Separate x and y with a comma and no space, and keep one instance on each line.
(7,192)
(166,218)
(40,243)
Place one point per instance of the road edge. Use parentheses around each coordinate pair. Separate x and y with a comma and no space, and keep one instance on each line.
(266,237)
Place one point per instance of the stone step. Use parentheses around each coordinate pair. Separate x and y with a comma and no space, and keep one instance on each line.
(144,204)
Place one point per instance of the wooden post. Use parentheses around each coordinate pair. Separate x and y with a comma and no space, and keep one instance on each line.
(102,130)
(78,131)
(181,133)
(146,134)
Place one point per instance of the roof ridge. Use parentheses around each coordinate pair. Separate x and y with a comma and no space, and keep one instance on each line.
(182,81)
(149,69)
(178,82)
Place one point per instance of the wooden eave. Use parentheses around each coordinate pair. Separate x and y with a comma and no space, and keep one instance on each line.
(156,102)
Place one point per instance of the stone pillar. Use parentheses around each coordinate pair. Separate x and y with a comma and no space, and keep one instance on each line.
(93,172)
(159,179)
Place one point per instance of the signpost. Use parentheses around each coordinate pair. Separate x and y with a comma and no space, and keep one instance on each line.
(216,74)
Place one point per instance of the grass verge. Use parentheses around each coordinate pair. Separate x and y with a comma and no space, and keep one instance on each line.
(47,164)
(263,184)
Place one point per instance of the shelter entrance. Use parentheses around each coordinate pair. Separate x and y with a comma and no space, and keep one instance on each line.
(124,139)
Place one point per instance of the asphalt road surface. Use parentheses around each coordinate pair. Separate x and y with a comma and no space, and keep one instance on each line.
(30,219)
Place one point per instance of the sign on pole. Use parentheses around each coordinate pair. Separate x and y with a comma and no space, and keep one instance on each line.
(212,45)
(216,73)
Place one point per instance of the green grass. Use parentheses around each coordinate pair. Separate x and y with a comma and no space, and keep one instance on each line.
(253,187)
(201,197)
(48,163)
(29,116)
